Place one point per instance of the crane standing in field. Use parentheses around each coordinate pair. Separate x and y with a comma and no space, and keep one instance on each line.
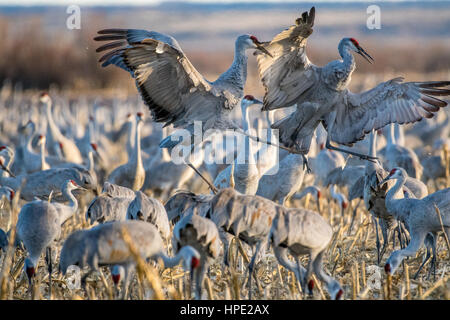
(244,171)
(69,150)
(132,173)
(419,215)
(299,232)
(203,235)
(321,93)
(39,225)
(104,245)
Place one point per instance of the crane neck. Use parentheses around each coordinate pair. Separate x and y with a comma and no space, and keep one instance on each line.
(370,166)
(391,135)
(131,136)
(236,75)
(43,162)
(72,206)
(136,157)
(304,192)
(348,60)
(392,196)
(90,164)
(56,134)
(170,262)
(248,148)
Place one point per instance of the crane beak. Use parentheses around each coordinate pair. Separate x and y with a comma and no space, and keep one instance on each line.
(256,101)
(385,180)
(6,169)
(260,47)
(365,55)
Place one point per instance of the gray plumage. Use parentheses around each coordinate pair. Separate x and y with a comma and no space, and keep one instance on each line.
(396,155)
(321,93)
(105,208)
(248,217)
(150,210)
(39,225)
(183,202)
(299,232)
(282,185)
(419,216)
(104,245)
(203,235)
(41,184)
(114,190)
(175,92)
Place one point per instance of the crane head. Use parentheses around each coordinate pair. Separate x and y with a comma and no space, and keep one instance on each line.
(354,45)
(41,139)
(94,146)
(249,100)
(29,269)
(251,42)
(44,98)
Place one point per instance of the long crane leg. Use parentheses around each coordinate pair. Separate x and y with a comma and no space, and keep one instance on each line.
(328,144)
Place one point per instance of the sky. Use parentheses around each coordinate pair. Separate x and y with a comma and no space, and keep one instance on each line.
(155,2)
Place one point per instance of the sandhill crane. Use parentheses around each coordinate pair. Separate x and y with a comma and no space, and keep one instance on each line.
(299,232)
(70,150)
(340,198)
(105,208)
(344,176)
(282,185)
(419,215)
(6,160)
(150,210)
(244,170)
(396,155)
(321,93)
(177,205)
(33,161)
(325,162)
(315,191)
(104,245)
(39,225)
(114,190)
(434,168)
(368,187)
(248,217)
(131,174)
(169,84)
(168,175)
(41,184)
(202,234)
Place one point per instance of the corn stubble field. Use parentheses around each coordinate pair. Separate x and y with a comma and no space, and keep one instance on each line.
(37,56)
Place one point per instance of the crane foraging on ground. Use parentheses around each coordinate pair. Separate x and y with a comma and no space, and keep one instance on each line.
(39,225)
(321,94)
(203,235)
(248,217)
(419,215)
(299,232)
(151,210)
(104,245)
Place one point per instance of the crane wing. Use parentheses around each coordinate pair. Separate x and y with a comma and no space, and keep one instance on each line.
(392,101)
(170,86)
(288,74)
